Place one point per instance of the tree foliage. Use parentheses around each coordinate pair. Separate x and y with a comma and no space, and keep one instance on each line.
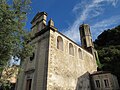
(13,36)
(108,46)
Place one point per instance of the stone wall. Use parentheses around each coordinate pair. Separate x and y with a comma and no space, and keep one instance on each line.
(83,82)
(65,69)
(55,69)
(112,81)
(37,68)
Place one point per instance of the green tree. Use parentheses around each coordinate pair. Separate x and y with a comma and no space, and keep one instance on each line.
(108,46)
(14,37)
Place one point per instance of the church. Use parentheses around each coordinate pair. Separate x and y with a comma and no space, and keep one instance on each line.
(58,63)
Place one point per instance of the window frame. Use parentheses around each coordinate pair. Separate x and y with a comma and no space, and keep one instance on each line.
(106,84)
(79,53)
(59,43)
(28,84)
(71,49)
(97,83)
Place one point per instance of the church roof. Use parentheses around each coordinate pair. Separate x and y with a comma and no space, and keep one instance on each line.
(100,72)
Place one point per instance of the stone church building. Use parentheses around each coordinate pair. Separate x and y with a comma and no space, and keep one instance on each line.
(58,63)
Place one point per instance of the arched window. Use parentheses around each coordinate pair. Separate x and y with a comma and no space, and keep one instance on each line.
(79,53)
(59,43)
(71,49)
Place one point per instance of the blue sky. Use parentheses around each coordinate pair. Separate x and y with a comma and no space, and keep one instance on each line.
(69,14)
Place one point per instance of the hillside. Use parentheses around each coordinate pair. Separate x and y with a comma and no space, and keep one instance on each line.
(108,46)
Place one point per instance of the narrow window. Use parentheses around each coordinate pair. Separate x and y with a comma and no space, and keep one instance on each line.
(59,43)
(71,49)
(28,84)
(97,83)
(79,53)
(106,83)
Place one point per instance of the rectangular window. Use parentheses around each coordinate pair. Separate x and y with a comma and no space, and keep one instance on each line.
(97,83)
(28,84)
(106,83)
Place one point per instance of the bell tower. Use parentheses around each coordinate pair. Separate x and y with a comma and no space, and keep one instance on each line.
(86,39)
(38,22)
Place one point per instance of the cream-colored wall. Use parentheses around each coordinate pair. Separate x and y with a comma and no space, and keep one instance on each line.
(63,68)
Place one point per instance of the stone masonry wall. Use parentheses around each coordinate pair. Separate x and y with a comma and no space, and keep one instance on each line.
(65,69)
(37,68)
(112,81)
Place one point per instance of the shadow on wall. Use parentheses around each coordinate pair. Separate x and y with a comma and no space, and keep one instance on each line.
(83,82)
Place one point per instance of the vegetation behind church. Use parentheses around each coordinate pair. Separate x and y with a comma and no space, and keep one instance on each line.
(108,46)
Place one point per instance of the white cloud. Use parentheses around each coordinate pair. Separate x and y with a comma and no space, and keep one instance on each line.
(90,9)
(97,28)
